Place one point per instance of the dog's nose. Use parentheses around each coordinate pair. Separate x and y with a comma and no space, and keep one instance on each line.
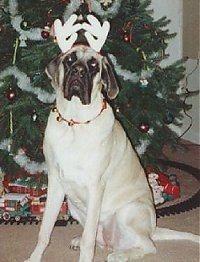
(79,70)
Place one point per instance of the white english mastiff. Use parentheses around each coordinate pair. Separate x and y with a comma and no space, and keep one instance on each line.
(91,160)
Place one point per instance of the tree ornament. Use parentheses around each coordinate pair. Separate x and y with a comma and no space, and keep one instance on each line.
(127,36)
(24,148)
(22,39)
(127,32)
(106,2)
(46,32)
(34,116)
(144,127)
(144,56)
(168,118)
(11,94)
(143,83)
(24,25)
(117,110)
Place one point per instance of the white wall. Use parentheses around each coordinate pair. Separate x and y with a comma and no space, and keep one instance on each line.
(173,10)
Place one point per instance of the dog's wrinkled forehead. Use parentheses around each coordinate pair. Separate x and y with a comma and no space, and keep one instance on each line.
(81,53)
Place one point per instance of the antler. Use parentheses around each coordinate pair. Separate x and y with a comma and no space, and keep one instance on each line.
(95,33)
(66,34)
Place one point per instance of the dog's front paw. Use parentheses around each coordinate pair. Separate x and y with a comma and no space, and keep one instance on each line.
(33,258)
(75,243)
(117,256)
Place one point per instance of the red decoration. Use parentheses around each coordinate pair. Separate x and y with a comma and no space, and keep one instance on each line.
(127,32)
(45,34)
(171,187)
(144,127)
(11,94)
(127,36)
(24,149)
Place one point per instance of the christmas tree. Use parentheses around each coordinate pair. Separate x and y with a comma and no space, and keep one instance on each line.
(148,102)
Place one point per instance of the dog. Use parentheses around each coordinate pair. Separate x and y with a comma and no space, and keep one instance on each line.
(91,160)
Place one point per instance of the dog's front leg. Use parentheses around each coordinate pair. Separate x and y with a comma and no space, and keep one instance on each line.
(54,201)
(87,245)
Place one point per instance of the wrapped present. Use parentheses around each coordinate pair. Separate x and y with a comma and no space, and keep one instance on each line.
(164,187)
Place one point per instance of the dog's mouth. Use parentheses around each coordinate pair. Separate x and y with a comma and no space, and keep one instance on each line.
(79,87)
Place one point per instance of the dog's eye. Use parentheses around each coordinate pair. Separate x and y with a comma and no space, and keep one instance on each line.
(93,65)
(70,59)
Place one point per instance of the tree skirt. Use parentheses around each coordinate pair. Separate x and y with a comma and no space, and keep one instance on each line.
(189,180)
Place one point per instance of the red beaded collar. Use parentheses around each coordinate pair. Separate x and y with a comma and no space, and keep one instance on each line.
(72,122)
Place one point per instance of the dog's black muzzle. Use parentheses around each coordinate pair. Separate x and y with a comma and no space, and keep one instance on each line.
(78,83)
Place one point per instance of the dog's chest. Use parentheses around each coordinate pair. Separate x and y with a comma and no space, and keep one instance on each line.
(74,151)
(71,151)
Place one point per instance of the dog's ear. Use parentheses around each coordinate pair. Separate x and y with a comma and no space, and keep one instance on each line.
(52,71)
(109,80)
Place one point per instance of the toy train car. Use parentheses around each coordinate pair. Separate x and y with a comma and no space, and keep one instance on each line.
(37,206)
(14,205)
(19,206)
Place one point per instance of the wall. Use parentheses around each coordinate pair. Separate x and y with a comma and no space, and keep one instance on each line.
(173,9)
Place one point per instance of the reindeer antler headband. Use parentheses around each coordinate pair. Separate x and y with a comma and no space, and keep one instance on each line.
(95,33)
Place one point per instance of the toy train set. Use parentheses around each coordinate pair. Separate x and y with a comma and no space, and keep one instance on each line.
(21,203)
(23,200)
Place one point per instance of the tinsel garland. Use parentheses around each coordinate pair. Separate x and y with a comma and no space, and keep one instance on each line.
(128,75)
(71,8)
(23,161)
(24,83)
(96,7)
(16,20)
(142,147)
(30,166)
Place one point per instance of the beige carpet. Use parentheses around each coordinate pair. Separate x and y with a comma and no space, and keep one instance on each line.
(17,241)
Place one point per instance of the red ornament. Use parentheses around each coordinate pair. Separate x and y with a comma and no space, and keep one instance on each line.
(144,127)
(127,36)
(45,34)
(127,32)
(11,94)
(24,149)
